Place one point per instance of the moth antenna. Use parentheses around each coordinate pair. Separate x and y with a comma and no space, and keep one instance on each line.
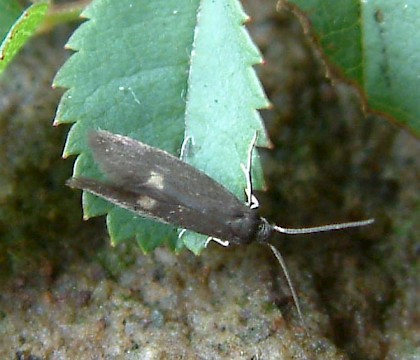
(289,282)
(251,201)
(224,243)
(322,228)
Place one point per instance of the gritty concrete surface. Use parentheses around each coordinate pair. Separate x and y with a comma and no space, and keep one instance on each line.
(65,294)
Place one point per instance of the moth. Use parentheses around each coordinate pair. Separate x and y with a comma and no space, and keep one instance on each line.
(155,184)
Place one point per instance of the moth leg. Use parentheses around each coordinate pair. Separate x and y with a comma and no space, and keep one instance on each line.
(251,201)
(224,243)
(181,233)
(185,147)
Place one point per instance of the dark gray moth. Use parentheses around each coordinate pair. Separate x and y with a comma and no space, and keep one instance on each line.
(155,184)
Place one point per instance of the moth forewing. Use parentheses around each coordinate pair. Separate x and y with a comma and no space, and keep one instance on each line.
(139,167)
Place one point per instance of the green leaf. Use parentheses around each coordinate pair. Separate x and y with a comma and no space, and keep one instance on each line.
(159,72)
(374,44)
(20,30)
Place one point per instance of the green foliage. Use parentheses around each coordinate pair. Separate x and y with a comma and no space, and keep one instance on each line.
(376,45)
(16,30)
(160,72)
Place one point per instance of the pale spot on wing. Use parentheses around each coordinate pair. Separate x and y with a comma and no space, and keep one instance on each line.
(155,180)
(146,202)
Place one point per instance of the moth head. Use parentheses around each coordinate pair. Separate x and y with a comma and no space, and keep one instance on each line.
(244,227)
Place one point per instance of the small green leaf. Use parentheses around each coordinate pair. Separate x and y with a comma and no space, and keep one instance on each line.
(374,44)
(159,71)
(20,31)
